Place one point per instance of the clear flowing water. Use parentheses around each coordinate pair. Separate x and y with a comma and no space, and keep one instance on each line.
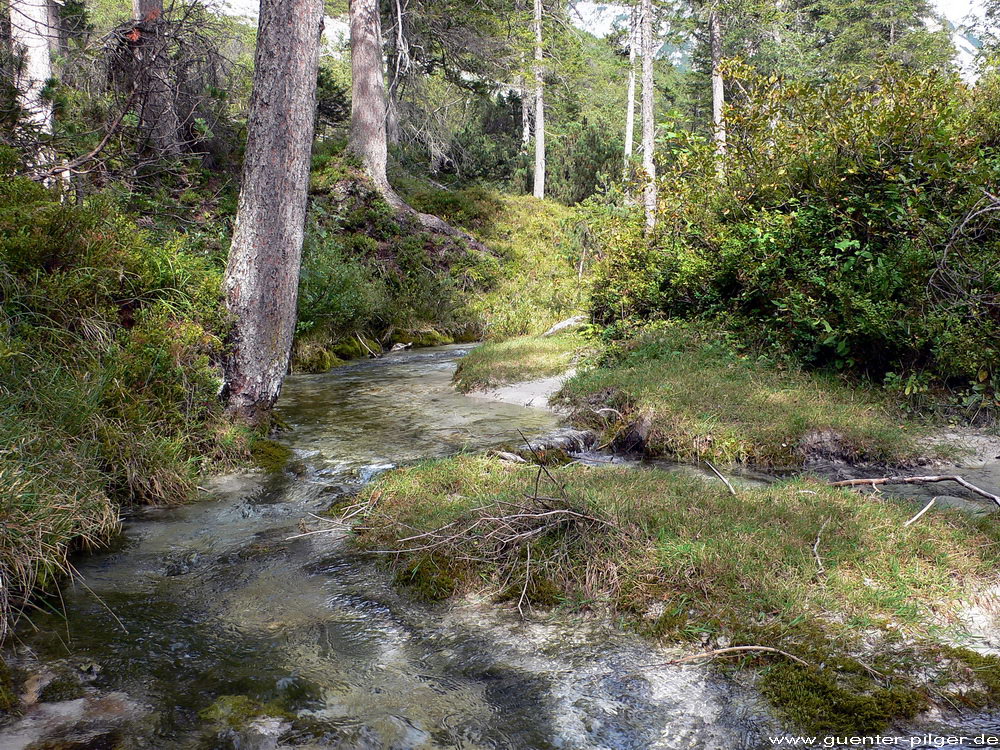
(213,599)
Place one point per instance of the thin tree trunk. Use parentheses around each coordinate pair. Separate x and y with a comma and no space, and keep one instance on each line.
(718,94)
(262,276)
(157,100)
(648,117)
(630,97)
(523,88)
(539,182)
(29,30)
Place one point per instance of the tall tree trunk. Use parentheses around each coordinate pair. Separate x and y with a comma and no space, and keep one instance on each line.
(648,117)
(630,96)
(157,96)
(262,276)
(29,22)
(523,88)
(539,182)
(718,93)
(368,111)
(367,137)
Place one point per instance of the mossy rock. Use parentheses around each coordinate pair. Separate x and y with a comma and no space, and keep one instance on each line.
(349,348)
(236,711)
(314,358)
(269,455)
(428,580)
(423,337)
(62,689)
(984,670)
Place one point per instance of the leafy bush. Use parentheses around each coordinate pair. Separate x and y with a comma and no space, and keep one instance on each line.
(849,230)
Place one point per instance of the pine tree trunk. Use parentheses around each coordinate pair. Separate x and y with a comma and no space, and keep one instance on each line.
(157,100)
(630,96)
(539,182)
(523,88)
(368,111)
(718,94)
(648,117)
(29,21)
(262,277)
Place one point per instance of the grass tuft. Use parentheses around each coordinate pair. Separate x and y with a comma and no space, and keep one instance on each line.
(524,358)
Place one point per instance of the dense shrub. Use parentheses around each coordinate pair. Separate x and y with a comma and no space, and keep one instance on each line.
(849,230)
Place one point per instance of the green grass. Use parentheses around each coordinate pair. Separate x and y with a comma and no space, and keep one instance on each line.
(681,558)
(524,358)
(706,402)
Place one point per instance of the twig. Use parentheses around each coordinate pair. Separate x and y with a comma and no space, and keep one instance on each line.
(726,481)
(918,480)
(542,465)
(820,570)
(924,510)
(735,649)
(527,578)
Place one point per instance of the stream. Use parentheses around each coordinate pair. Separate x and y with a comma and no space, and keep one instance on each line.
(202,611)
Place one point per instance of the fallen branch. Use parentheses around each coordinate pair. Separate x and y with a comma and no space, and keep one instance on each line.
(918,480)
(820,570)
(917,517)
(736,649)
(719,475)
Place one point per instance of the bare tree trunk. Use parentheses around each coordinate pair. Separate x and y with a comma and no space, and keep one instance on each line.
(539,182)
(262,276)
(718,94)
(157,97)
(630,97)
(368,111)
(523,88)
(29,30)
(648,118)
(367,137)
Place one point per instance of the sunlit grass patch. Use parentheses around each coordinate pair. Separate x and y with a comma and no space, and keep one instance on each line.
(828,575)
(524,358)
(705,401)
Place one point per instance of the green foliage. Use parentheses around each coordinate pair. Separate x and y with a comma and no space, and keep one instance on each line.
(109,341)
(845,232)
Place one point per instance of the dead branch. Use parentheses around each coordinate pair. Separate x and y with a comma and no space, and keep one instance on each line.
(918,480)
(924,510)
(733,650)
(719,475)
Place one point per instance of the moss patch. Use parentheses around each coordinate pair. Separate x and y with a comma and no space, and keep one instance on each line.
(236,711)
(270,455)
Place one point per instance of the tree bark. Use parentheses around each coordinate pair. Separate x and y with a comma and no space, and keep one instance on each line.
(539,174)
(523,88)
(648,117)
(630,96)
(30,33)
(157,99)
(718,93)
(367,138)
(262,276)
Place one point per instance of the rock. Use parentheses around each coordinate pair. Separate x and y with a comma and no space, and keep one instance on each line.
(566,325)
(94,721)
(566,439)
(635,437)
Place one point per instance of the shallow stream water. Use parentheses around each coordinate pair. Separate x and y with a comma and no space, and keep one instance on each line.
(215,599)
